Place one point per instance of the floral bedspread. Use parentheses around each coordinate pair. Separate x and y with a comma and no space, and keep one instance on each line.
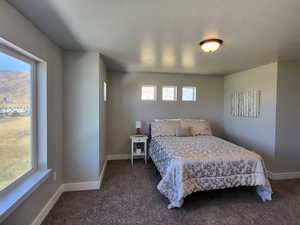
(189,164)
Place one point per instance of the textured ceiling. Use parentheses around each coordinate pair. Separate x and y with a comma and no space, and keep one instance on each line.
(162,36)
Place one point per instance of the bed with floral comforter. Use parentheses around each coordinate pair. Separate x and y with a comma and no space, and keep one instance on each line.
(190,164)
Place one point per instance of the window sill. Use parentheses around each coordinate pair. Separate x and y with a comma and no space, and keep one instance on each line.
(14,198)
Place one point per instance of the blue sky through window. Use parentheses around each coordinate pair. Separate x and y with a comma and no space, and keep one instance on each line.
(189,93)
(8,63)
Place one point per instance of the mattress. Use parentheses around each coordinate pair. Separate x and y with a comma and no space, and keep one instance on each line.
(200,163)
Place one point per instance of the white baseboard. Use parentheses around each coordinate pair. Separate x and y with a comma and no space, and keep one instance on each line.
(102,172)
(283,175)
(118,156)
(82,186)
(44,212)
(95,185)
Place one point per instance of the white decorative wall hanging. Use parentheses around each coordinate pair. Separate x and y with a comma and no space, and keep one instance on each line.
(246,104)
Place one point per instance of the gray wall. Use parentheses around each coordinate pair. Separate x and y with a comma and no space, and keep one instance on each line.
(103,112)
(125,105)
(83,127)
(257,134)
(288,122)
(15,28)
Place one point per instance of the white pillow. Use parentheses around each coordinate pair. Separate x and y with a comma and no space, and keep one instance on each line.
(198,127)
(164,128)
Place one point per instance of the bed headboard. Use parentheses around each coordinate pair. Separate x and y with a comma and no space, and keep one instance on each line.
(147,128)
(150,136)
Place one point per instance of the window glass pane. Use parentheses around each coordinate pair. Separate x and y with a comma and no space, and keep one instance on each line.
(189,94)
(149,93)
(169,93)
(15,119)
(105,91)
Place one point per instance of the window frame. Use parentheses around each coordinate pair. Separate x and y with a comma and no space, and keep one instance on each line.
(34,116)
(175,94)
(155,93)
(194,93)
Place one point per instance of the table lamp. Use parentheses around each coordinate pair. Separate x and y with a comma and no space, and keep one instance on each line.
(138,126)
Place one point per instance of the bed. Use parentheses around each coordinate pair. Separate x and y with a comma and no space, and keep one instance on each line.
(199,163)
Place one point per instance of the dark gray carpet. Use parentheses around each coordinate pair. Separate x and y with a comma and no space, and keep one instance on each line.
(129,196)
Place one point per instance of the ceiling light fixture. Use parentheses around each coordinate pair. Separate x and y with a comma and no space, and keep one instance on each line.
(211,45)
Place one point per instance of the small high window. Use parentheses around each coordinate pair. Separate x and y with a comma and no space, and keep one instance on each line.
(105,91)
(189,94)
(148,93)
(169,93)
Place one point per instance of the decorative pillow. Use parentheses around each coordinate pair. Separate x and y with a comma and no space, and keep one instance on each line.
(183,132)
(164,128)
(198,127)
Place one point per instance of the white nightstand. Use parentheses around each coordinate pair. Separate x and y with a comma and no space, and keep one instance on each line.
(135,139)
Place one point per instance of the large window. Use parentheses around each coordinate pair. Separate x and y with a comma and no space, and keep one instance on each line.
(189,94)
(17,117)
(148,93)
(169,93)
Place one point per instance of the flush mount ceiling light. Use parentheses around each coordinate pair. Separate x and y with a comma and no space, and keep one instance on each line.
(210,45)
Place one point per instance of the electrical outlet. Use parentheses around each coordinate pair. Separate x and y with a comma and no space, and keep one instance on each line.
(54,175)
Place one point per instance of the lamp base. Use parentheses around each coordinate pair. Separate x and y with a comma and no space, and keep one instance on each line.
(138,131)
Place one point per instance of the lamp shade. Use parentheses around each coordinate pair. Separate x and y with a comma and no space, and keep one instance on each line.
(138,124)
